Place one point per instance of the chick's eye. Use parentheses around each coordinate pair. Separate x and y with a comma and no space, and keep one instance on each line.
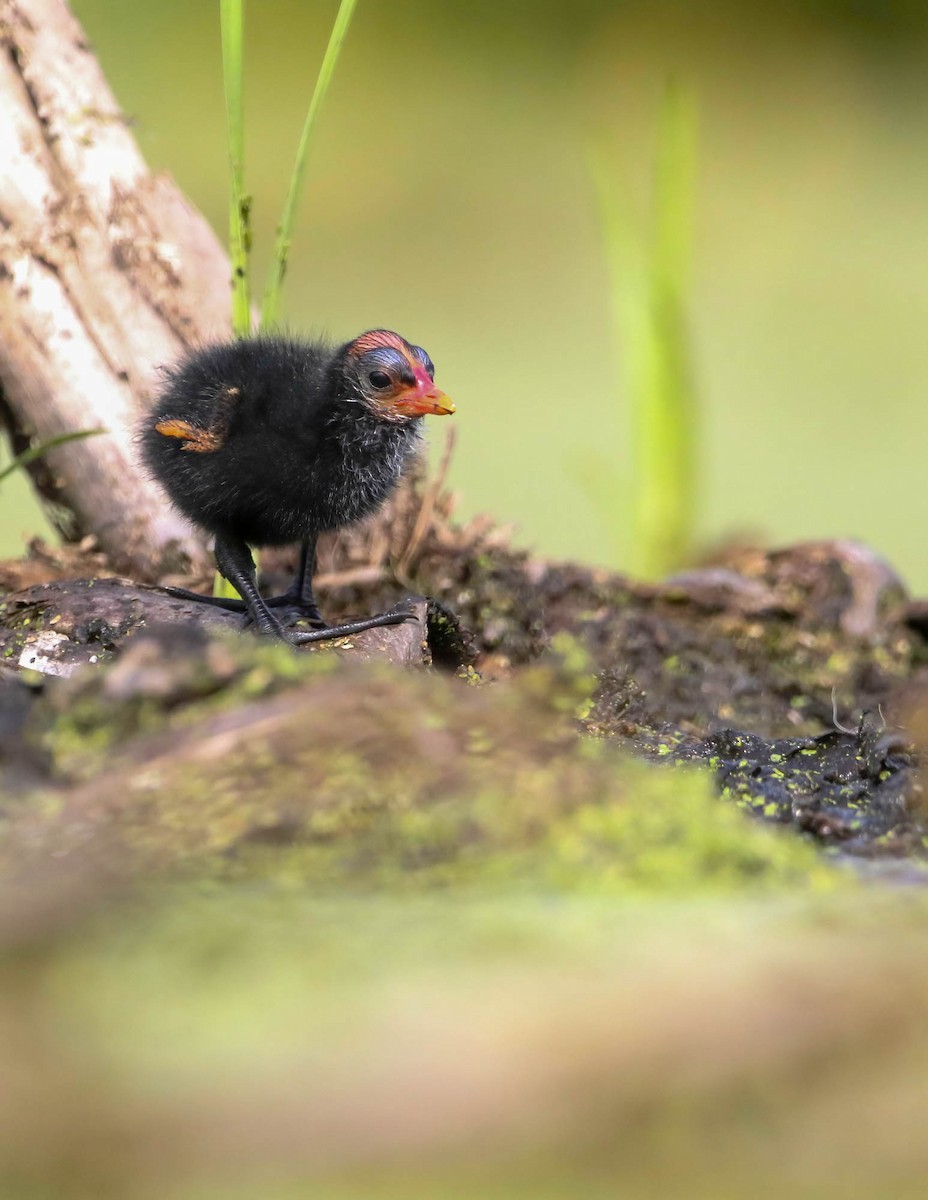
(380,379)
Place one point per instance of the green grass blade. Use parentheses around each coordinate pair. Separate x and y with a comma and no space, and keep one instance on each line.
(232,25)
(232,22)
(649,285)
(34,452)
(669,437)
(270,308)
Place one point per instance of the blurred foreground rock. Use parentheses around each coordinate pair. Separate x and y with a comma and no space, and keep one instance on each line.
(278,924)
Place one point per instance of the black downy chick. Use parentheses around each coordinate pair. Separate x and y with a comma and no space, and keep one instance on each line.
(269,440)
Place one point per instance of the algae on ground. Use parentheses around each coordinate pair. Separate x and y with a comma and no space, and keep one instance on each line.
(348,774)
(162,681)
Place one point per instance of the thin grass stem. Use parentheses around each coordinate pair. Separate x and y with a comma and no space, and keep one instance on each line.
(669,503)
(34,452)
(232,22)
(270,308)
(649,285)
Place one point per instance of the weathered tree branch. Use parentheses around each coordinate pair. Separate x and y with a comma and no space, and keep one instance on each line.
(106,274)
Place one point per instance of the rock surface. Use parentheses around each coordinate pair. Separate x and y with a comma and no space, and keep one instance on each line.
(56,628)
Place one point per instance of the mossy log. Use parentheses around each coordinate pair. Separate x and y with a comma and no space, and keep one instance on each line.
(783,679)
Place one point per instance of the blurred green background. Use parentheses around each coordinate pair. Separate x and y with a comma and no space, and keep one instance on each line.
(450,198)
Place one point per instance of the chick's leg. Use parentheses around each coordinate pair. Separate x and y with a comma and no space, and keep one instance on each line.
(396,617)
(235,563)
(233,558)
(299,595)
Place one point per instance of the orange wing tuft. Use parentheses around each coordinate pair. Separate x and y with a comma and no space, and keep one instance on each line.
(200,441)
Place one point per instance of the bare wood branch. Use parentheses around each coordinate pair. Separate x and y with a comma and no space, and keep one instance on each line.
(106,274)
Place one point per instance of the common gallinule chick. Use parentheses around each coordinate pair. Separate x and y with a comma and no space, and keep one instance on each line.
(270,440)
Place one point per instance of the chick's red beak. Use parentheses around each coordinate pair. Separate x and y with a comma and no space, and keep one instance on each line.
(423,398)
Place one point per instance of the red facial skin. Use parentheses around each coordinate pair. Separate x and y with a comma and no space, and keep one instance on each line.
(424,398)
(420,399)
